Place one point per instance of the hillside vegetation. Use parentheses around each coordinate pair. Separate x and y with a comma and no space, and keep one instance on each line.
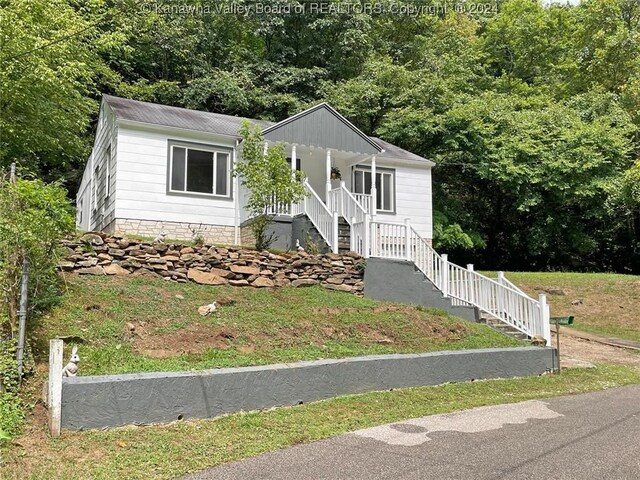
(126,324)
(606,304)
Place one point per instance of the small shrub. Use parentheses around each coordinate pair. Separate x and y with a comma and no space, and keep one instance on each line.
(310,245)
(12,414)
(197,234)
(8,366)
(259,226)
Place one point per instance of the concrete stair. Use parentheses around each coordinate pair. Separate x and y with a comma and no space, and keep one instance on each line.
(344,236)
(401,281)
(502,327)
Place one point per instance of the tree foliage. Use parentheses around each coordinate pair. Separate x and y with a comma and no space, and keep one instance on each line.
(46,84)
(531,113)
(268,179)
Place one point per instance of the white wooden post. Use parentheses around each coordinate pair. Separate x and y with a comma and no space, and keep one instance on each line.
(407,242)
(328,168)
(335,232)
(293,174)
(501,300)
(367,237)
(352,236)
(374,203)
(294,160)
(342,199)
(471,284)
(545,328)
(445,275)
(266,148)
(56,351)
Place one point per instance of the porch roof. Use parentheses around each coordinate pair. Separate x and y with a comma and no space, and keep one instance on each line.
(305,128)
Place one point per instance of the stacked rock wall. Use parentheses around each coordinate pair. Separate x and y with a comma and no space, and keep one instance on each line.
(98,254)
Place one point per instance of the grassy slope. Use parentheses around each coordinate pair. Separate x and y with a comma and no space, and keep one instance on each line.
(611,302)
(262,326)
(177,449)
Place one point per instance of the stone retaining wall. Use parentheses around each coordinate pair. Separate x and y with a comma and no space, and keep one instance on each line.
(98,254)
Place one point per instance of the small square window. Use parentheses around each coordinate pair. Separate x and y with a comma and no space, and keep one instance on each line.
(199,170)
(385,187)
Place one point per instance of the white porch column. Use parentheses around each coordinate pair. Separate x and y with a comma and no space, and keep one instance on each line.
(294,160)
(328,166)
(266,147)
(236,199)
(374,202)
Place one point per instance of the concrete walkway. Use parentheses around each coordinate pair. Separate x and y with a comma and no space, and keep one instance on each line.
(590,436)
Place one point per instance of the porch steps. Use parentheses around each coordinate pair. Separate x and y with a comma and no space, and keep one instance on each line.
(400,281)
(344,236)
(502,327)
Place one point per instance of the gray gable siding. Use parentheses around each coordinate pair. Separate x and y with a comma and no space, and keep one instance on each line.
(321,127)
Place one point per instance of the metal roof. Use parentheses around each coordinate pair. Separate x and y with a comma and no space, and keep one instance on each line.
(229,125)
(393,151)
(156,114)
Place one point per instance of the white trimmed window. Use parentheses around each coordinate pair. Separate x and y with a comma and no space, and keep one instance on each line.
(107,186)
(200,170)
(385,187)
(94,186)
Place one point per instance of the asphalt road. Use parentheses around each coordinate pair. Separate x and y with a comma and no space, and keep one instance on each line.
(590,436)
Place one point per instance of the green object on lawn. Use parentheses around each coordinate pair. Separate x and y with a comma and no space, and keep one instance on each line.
(561,320)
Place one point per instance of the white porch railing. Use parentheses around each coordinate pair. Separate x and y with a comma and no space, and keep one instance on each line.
(465,286)
(343,202)
(364,200)
(325,220)
(497,297)
(280,208)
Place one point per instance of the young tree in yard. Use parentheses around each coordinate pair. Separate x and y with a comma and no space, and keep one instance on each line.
(268,178)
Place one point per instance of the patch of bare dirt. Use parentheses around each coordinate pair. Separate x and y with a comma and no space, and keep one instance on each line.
(576,351)
(193,339)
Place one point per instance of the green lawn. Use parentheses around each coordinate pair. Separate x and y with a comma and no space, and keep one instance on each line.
(172,450)
(251,326)
(610,302)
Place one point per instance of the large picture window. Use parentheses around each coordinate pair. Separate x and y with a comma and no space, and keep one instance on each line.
(199,170)
(385,187)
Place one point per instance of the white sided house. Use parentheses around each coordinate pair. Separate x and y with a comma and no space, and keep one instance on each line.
(159,169)
(155,167)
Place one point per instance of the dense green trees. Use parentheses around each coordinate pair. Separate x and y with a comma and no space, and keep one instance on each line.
(532,113)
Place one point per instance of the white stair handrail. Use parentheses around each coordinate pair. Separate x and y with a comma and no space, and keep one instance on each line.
(342,201)
(463,285)
(325,221)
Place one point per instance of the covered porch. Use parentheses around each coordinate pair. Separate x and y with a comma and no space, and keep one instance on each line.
(332,174)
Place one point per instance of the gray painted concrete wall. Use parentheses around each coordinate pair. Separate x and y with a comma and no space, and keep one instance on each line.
(281,229)
(401,281)
(287,230)
(302,229)
(109,401)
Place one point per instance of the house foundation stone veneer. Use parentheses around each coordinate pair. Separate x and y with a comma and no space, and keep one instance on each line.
(221,234)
